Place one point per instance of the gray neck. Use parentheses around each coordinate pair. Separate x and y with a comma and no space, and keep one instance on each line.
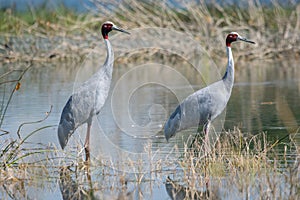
(108,64)
(228,77)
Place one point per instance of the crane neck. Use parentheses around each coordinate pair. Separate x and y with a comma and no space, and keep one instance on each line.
(108,64)
(228,77)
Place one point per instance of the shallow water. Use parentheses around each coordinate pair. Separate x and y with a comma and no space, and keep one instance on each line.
(265,98)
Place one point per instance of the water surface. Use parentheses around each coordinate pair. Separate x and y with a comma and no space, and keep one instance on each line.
(265,98)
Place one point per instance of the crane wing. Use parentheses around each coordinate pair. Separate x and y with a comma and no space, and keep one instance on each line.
(197,109)
(66,125)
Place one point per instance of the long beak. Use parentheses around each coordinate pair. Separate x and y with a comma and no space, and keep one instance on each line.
(246,40)
(119,29)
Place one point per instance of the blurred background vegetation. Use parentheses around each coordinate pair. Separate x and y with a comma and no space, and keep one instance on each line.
(274,25)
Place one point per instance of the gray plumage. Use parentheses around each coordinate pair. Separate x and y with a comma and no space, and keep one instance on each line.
(203,106)
(87,101)
(89,98)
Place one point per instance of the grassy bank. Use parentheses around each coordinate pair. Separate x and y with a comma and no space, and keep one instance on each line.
(274,28)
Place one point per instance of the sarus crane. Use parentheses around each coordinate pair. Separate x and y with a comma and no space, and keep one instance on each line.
(89,98)
(203,106)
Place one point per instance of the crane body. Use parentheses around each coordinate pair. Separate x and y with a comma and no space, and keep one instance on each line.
(89,98)
(203,106)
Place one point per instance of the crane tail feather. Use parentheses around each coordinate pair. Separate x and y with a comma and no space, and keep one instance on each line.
(173,123)
(64,133)
(66,125)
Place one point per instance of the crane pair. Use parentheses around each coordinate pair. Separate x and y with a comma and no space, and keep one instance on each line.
(200,108)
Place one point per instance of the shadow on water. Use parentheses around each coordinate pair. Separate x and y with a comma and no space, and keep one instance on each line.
(69,188)
(78,185)
(179,192)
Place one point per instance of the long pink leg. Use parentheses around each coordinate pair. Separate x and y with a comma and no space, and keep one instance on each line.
(87,142)
(206,151)
(206,137)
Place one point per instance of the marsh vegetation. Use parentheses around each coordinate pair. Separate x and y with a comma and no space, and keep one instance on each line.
(256,155)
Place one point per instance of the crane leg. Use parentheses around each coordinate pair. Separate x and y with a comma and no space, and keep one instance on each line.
(87,142)
(205,142)
(206,151)
(206,136)
(206,127)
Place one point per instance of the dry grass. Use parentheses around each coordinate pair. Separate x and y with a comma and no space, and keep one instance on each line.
(50,35)
(241,166)
(249,167)
(238,166)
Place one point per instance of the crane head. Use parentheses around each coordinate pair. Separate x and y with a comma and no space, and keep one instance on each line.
(109,26)
(234,36)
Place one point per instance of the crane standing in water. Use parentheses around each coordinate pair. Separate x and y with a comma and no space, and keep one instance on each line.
(203,106)
(88,100)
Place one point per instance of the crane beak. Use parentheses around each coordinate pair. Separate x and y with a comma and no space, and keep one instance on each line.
(119,29)
(245,40)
